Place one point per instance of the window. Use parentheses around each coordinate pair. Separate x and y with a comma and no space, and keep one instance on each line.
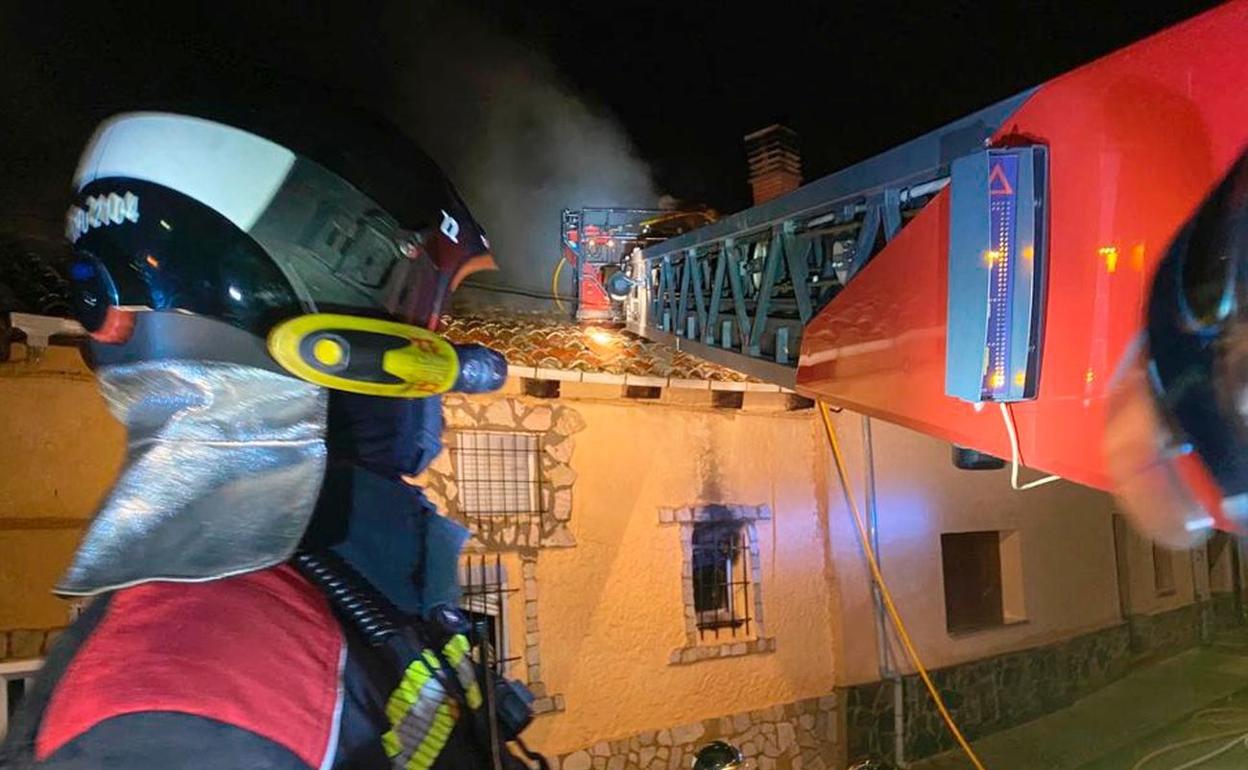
(642,391)
(727,399)
(498,474)
(1163,570)
(484,600)
(721,579)
(983,579)
(540,388)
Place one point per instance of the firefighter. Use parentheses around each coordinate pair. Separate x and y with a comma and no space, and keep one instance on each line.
(259,287)
(718,755)
(1177,438)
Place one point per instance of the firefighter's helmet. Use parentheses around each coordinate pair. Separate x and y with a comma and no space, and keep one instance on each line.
(308,238)
(1177,437)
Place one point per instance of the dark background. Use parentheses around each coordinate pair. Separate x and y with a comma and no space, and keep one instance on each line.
(852,79)
(533,106)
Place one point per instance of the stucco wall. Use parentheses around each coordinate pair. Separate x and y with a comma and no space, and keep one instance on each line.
(59,450)
(1069,577)
(1142,596)
(611,608)
(1222,564)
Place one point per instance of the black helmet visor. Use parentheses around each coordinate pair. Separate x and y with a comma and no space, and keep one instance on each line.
(163,223)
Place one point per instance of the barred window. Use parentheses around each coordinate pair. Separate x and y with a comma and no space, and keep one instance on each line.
(484,599)
(721,579)
(499,473)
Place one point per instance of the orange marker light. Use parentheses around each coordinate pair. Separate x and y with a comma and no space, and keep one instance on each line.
(1110,253)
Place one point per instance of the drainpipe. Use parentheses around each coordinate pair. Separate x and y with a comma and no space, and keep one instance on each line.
(1200,593)
(1237,579)
(887,670)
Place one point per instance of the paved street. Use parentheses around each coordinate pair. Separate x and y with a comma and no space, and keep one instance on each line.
(1200,693)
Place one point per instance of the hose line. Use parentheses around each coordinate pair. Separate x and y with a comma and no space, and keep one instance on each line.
(887,595)
(554,285)
(1213,717)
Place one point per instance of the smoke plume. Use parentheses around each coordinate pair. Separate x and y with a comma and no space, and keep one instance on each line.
(521,146)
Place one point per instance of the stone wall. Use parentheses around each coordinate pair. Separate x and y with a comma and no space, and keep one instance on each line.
(1226,611)
(794,736)
(1165,632)
(986,695)
(554,427)
(995,693)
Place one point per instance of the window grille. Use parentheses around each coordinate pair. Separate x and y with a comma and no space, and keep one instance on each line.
(721,579)
(484,599)
(499,475)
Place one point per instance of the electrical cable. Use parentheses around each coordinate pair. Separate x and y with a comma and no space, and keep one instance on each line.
(497,289)
(902,634)
(1008,418)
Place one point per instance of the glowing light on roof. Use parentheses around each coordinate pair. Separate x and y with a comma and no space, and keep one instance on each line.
(600,336)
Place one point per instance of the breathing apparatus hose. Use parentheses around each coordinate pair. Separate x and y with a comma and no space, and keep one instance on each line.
(873,563)
(371,613)
(382,625)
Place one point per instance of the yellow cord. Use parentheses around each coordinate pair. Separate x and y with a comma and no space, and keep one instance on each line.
(554,285)
(886,595)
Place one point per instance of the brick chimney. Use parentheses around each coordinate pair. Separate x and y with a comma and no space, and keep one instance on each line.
(775,163)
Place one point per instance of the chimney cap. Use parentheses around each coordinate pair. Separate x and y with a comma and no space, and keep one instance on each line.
(773,129)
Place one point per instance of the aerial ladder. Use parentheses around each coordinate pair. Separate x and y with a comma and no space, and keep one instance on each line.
(1001,261)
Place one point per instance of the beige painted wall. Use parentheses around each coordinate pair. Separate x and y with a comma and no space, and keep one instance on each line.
(1142,594)
(1222,565)
(59,449)
(611,609)
(1066,539)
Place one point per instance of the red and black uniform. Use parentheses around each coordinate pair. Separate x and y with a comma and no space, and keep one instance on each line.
(256,670)
(247,671)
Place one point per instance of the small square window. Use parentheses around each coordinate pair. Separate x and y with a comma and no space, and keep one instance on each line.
(498,474)
(983,579)
(721,579)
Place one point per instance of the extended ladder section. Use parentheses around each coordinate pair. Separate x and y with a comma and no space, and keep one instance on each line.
(740,291)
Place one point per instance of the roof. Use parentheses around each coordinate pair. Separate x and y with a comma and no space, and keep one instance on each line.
(546,343)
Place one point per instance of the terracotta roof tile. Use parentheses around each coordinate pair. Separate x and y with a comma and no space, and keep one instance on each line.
(556,344)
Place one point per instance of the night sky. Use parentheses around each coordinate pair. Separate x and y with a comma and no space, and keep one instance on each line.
(682,81)
(853,79)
